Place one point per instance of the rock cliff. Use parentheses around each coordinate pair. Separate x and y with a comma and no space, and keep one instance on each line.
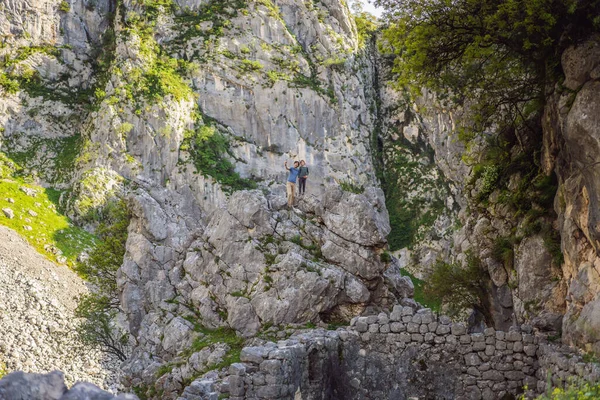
(188,109)
(522,247)
(178,105)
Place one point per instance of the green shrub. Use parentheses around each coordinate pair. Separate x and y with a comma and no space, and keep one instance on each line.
(250,65)
(460,287)
(403,219)
(3,369)
(64,6)
(503,250)
(576,390)
(489,181)
(209,151)
(385,257)
(10,85)
(500,55)
(420,294)
(351,187)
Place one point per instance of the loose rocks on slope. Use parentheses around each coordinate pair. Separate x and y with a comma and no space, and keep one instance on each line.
(37,325)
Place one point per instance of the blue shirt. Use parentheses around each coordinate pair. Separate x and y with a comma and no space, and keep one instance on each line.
(293,175)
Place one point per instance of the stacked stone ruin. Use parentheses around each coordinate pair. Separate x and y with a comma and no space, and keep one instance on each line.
(400,355)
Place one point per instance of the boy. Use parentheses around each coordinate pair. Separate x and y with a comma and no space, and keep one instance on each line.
(302,175)
(291,182)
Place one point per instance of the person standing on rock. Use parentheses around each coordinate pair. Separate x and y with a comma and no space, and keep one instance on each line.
(302,175)
(291,182)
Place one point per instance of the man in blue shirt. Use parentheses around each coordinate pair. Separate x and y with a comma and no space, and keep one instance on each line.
(291,182)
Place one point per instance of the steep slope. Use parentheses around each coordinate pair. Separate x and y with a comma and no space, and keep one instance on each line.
(37,325)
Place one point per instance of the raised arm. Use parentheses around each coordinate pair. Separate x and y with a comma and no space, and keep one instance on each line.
(285,165)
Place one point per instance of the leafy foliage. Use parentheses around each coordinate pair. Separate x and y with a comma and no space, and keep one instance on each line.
(99,308)
(366,24)
(498,54)
(414,196)
(352,187)
(576,390)
(459,287)
(209,149)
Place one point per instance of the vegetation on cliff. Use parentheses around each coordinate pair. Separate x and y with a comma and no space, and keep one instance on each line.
(496,60)
(36,215)
(99,308)
(497,56)
(210,153)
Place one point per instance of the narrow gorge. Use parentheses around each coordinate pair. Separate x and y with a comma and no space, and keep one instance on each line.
(439,252)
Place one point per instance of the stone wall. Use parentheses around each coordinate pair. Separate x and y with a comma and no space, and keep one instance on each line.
(399,355)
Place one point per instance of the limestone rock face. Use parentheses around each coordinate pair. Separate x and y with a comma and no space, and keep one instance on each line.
(572,125)
(276,81)
(540,293)
(55,50)
(531,282)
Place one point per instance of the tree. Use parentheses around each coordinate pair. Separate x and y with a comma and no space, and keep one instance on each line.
(460,287)
(97,327)
(99,308)
(497,55)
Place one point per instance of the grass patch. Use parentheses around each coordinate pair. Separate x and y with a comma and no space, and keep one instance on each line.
(3,369)
(210,337)
(48,231)
(57,156)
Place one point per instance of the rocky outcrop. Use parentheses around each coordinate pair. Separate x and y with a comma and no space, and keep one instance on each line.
(49,54)
(254,263)
(110,101)
(531,281)
(22,386)
(572,129)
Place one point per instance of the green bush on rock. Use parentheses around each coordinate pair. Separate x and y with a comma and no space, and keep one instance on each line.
(209,150)
(99,308)
(459,287)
